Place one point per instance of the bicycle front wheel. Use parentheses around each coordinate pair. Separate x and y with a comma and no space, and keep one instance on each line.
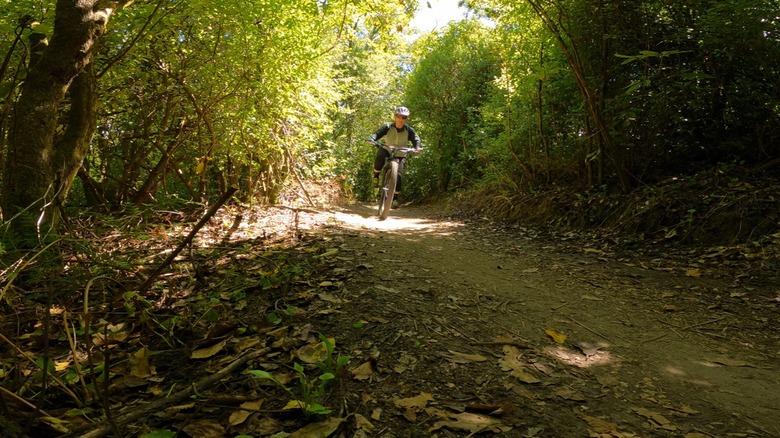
(387,191)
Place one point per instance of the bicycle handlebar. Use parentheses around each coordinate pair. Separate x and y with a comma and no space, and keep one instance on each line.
(393,148)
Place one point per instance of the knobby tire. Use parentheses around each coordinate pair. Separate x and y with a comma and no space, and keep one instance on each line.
(387,191)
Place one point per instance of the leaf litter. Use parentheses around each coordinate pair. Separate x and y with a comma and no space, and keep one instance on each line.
(421,362)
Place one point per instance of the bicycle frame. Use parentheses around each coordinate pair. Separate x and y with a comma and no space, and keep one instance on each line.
(388,178)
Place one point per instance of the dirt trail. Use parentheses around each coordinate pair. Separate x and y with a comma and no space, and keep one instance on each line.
(472,328)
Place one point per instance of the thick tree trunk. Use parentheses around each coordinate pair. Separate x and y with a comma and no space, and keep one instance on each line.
(37,173)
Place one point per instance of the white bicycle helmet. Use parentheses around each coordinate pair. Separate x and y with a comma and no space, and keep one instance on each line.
(402,111)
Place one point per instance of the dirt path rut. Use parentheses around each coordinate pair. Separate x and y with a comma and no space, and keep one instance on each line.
(476,329)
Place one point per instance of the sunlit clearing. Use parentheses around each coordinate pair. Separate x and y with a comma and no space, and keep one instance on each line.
(577,359)
(392,223)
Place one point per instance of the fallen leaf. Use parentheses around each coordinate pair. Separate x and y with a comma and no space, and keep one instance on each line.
(279,333)
(600,426)
(310,407)
(329,253)
(414,402)
(687,410)
(695,273)
(293,404)
(524,376)
(511,362)
(139,363)
(404,363)
(244,344)
(313,353)
(58,366)
(362,423)
(330,298)
(322,429)
(456,357)
(204,429)
(556,336)
(267,426)
(363,372)
(656,418)
(472,423)
(567,393)
(238,417)
(205,353)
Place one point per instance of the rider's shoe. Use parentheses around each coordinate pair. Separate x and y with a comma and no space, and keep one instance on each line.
(395,203)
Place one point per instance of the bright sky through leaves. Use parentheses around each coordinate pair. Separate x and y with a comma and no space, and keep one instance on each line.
(437,16)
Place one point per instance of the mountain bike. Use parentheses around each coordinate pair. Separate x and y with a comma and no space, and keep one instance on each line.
(388,177)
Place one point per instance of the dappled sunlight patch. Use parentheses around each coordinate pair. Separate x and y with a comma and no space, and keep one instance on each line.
(580,359)
(392,223)
(675,371)
(684,376)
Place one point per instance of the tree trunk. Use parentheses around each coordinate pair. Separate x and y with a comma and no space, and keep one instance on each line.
(39,173)
(70,150)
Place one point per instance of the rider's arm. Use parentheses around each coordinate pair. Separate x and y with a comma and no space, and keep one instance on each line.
(381,132)
(414,139)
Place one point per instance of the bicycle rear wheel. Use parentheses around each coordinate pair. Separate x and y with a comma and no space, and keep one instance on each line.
(387,191)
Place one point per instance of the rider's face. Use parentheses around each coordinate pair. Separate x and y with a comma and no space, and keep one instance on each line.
(399,121)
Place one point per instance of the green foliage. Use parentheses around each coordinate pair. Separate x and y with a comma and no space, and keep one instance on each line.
(450,83)
(196,96)
(331,364)
(678,86)
(312,390)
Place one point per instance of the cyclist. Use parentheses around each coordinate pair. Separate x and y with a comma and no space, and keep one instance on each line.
(397,134)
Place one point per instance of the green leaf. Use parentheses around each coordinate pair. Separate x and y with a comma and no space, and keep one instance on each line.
(42,28)
(318,409)
(273,318)
(261,374)
(5,89)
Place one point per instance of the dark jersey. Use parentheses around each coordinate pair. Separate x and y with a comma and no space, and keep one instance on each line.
(397,137)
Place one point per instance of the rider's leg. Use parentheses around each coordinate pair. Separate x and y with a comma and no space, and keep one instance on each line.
(379,160)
